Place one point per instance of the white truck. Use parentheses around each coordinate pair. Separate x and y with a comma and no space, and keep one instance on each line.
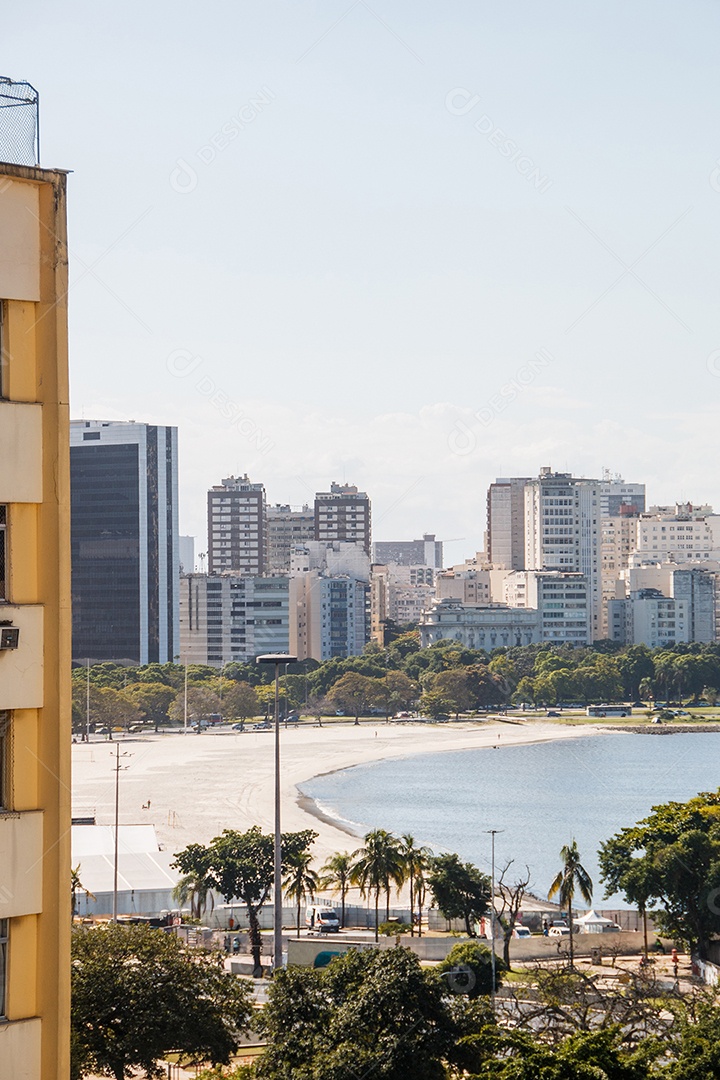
(322,919)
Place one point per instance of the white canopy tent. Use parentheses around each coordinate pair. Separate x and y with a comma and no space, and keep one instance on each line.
(145,877)
(592,923)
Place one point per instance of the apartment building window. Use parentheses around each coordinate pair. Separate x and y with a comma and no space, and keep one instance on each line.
(3,553)
(5,761)
(3,965)
(3,352)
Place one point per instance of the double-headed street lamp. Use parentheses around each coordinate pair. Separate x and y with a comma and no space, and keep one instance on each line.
(277,659)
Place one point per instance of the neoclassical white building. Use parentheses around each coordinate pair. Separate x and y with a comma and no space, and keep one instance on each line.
(489,627)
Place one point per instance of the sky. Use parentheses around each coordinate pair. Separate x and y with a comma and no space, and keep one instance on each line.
(411,246)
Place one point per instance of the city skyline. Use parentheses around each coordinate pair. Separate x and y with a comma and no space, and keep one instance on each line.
(378,245)
(455,554)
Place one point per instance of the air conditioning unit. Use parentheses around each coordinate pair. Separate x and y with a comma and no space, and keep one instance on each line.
(9,636)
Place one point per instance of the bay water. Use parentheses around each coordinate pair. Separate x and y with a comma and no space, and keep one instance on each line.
(539,796)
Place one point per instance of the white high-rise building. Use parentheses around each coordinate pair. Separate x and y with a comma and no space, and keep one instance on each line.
(329,616)
(647,617)
(681,533)
(505,537)
(232,617)
(562,531)
(560,598)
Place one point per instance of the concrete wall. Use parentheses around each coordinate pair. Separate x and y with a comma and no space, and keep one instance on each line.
(21,669)
(20,224)
(303,951)
(20,1050)
(21,855)
(20,452)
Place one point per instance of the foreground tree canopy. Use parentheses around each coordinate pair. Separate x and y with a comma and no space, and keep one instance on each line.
(461,891)
(241,866)
(672,858)
(371,1013)
(138,993)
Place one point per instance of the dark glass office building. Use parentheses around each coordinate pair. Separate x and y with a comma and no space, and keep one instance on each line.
(125,544)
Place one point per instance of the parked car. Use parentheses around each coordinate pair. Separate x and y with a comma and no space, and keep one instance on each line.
(558,931)
(521,932)
(551,712)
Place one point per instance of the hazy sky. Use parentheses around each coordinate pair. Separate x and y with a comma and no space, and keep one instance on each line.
(409,245)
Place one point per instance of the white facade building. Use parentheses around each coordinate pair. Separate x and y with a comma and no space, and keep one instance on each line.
(329,615)
(562,531)
(683,533)
(399,594)
(618,540)
(505,537)
(561,600)
(648,618)
(232,617)
(476,627)
(333,557)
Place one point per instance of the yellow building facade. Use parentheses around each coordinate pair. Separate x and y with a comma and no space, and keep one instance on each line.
(35,627)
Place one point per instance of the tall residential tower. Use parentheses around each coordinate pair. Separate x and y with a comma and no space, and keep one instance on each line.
(237,527)
(343,513)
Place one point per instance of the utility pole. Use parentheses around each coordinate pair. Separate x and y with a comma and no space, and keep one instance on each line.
(87,701)
(117,829)
(493,834)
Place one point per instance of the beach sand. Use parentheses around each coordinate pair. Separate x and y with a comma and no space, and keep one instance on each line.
(191,787)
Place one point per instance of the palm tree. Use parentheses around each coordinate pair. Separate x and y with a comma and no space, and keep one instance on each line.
(198,891)
(416,862)
(337,876)
(572,874)
(300,881)
(377,866)
(77,886)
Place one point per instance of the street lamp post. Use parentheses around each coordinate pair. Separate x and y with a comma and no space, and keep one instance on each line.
(118,755)
(277,659)
(87,700)
(493,833)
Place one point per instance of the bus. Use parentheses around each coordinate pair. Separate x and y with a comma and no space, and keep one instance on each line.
(602,711)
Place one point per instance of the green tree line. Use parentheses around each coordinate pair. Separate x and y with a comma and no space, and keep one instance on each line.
(444,679)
